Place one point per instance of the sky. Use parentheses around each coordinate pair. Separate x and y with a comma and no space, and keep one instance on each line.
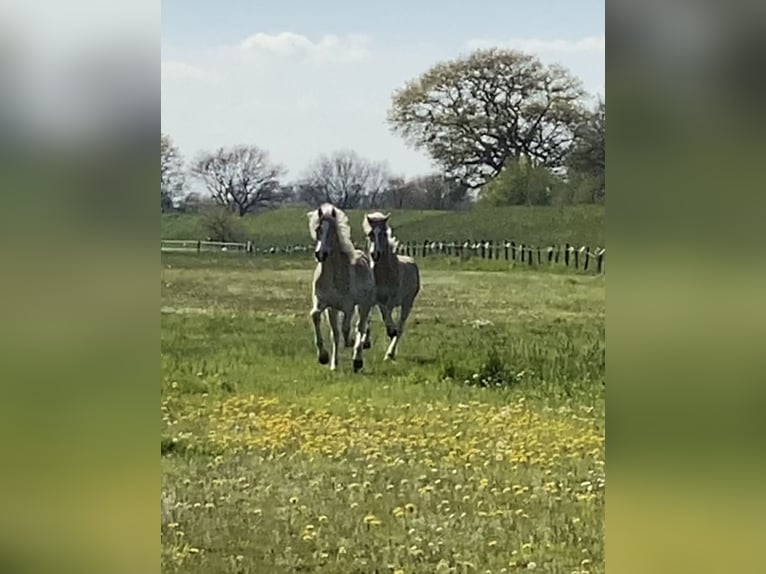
(303,78)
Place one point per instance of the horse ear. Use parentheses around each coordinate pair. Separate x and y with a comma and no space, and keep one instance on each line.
(386,217)
(334,213)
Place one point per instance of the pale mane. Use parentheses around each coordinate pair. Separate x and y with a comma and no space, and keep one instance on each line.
(342,227)
(378,216)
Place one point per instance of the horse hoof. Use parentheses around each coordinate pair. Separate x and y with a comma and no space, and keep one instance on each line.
(324,357)
(391,333)
(358,364)
(366,345)
(389,357)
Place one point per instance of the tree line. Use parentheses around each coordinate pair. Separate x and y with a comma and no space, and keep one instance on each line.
(501,127)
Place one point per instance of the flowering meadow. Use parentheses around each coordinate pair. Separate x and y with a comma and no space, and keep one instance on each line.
(481,449)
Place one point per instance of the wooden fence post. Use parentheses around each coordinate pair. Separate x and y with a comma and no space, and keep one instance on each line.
(507,245)
(550,254)
(558,254)
(566,254)
(529,255)
(587,258)
(539,258)
(521,252)
(577,258)
(513,250)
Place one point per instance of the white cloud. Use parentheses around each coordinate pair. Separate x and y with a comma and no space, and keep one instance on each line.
(293,95)
(329,48)
(589,45)
(174,70)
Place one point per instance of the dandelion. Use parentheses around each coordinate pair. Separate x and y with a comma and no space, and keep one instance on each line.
(398,512)
(293,500)
(492,543)
(410,508)
(372,520)
(322,518)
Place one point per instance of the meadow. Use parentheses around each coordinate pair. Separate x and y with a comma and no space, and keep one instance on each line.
(481,449)
(539,226)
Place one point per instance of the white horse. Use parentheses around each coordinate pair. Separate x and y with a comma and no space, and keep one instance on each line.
(343,282)
(397,278)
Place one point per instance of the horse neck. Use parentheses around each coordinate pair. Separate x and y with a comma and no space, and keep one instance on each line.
(388,264)
(337,262)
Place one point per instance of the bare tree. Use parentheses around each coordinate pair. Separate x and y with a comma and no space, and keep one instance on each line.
(172,178)
(398,194)
(241,178)
(440,192)
(344,179)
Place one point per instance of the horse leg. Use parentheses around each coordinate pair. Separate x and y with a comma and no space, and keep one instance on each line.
(316,318)
(346,328)
(403,314)
(361,328)
(366,341)
(333,315)
(385,312)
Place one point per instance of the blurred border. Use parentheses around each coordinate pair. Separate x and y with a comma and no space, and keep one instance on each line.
(685,306)
(79,120)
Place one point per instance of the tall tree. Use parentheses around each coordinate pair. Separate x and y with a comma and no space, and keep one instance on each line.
(472,114)
(344,179)
(587,158)
(172,179)
(241,178)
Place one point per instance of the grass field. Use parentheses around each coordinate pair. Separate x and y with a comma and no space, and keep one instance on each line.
(579,225)
(272,463)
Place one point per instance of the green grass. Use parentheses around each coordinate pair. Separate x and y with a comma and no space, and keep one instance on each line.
(272,463)
(579,225)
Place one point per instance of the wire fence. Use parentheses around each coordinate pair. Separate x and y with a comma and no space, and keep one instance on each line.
(568,255)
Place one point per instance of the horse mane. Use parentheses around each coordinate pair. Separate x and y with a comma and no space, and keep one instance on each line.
(378,216)
(342,227)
